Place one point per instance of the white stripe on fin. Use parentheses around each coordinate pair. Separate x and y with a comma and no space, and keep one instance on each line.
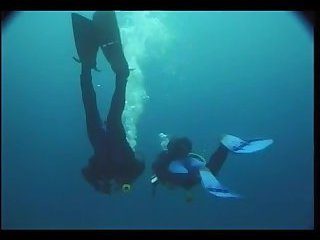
(237,145)
(254,146)
(213,186)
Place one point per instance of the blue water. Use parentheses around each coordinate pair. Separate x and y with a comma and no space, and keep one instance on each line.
(244,73)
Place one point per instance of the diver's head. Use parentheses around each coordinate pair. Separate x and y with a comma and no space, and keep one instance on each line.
(130,172)
(94,177)
(179,147)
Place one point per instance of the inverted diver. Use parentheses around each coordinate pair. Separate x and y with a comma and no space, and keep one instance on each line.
(114,164)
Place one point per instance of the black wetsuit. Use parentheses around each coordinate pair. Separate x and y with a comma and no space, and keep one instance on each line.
(113,157)
(111,148)
(161,164)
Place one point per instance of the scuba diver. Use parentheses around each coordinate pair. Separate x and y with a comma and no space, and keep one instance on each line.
(177,166)
(113,164)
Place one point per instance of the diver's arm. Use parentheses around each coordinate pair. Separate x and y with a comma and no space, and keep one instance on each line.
(93,121)
(217,159)
(160,165)
(157,171)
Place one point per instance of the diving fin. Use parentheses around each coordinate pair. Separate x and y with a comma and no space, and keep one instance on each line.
(109,39)
(107,27)
(85,38)
(213,186)
(237,145)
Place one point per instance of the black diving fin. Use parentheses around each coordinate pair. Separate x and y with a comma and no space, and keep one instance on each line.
(109,39)
(107,27)
(86,41)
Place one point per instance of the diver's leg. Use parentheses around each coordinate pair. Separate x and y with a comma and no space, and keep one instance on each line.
(94,127)
(114,118)
(217,159)
(110,42)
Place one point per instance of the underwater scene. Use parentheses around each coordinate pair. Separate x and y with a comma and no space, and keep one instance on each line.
(157,120)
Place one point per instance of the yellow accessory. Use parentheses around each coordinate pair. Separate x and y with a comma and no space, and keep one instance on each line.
(126,188)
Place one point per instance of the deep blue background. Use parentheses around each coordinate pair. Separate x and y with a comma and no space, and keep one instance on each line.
(244,73)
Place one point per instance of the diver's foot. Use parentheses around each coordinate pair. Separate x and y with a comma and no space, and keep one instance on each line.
(115,56)
(121,82)
(85,69)
(232,143)
(85,76)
